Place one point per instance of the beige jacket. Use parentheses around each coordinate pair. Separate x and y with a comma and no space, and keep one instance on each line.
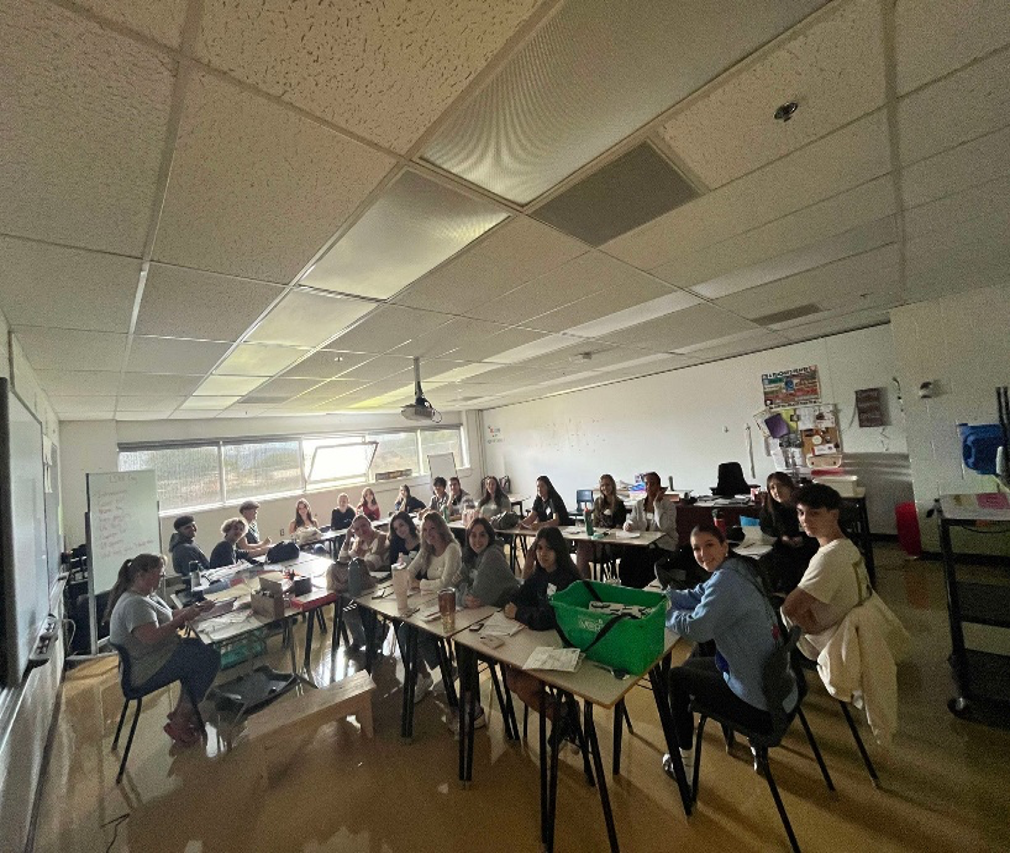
(858,664)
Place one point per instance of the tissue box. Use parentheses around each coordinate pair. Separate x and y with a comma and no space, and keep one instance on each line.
(274,583)
(271,607)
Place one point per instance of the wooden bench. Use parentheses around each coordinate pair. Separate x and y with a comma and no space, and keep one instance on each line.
(278,731)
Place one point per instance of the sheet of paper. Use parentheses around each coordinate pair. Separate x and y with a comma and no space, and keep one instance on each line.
(500,625)
(553,658)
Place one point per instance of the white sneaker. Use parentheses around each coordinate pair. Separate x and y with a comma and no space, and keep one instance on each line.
(422,686)
(479,720)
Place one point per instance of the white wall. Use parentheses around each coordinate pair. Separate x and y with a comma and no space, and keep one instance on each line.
(962,345)
(92,446)
(684,423)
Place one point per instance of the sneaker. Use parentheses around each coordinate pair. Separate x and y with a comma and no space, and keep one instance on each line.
(479,721)
(687,757)
(422,686)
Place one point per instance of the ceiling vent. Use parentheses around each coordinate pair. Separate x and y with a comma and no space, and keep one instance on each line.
(628,192)
(788,314)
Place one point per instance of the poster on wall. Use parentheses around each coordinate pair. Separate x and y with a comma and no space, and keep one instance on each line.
(494,436)
(794,387)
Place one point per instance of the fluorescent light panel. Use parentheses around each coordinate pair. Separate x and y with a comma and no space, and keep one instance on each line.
(636,314)
(227,385)
(258,360)
(547,344)
(214,403)
(414,226)
(872,235)
(308,320)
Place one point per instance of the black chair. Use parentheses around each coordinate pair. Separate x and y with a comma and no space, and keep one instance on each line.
(583,500)
(730,481)
(779,676)
(131,693)
(807,664)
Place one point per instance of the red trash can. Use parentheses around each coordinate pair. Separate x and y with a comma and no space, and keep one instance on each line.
(907,520)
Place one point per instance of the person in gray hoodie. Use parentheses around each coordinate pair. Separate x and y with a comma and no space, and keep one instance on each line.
(487,579)
(182,547)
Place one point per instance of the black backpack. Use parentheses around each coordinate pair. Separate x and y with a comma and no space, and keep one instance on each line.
(282,551)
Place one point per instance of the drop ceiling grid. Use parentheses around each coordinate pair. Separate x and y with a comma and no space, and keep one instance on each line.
(974,162)
(683,328)
(63,350)
(79,95)
(971,203)
(389,327)
(162,21)
(172,355)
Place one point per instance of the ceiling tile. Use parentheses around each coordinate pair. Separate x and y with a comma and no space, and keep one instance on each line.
(324,364)
(612,323)
(748,342)
(44,285)
(510,255)
(379,368)
(193,304)
(412,227)
(308,319)
(78,382)
(148,402)
(385,71)
(161,21)
(833,67)
(843,280)
(684,328)
(856,320)
(970,204)
(538,120)
(215,385)
(865,203)
(467,339)
(63,350)
(958,108)
(970,163)
(285,387)
(163,384)
(85,113)
(845,159)
(935,37)
(71,407)
(258,360)
(256,190)
(387,327)
(145,415)
(173,355)
(210,403)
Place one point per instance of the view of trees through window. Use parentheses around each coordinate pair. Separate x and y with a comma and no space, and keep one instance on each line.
(207,474)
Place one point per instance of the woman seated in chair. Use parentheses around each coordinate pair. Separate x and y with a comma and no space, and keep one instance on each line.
(303,517)
(369,506)
(227,551)
(732,609)
(494,501)
(608,512)
(792,550)
(652,513)
(147,632)
(406,501)
(404,541)
(548,511)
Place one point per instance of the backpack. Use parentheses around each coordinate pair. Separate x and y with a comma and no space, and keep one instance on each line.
(282,551)
(504,521)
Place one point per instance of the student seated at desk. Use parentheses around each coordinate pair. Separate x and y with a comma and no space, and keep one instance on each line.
(792,550)
(303,517)
(553,570)
(548,511)
(251,542)
(440,495)
(457,495)
(439,564)
(608,512)
(226,552)
(369,506)
(652,513)
(406,501)
(182,548)
(141,623)
(487,578)
(343,514)
(732,609)
(404,541)
(367,544)
(494,501)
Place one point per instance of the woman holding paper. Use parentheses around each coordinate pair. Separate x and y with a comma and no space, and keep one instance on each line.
(147,630)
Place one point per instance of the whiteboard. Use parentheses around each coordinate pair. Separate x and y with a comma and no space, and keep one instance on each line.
(122,522)
(441,464)
(25,565)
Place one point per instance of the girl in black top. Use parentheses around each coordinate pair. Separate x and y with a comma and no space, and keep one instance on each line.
(608,512)
(792,550)
(404,541)
(407,502)
(548,511)
(343,514)
(225,553)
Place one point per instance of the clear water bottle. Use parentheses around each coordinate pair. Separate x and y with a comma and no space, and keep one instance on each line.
(588,515)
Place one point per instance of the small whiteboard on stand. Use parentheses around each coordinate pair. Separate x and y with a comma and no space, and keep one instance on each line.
(122,522)
(441,464)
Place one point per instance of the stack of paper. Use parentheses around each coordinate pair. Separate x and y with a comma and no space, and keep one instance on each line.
(500,625)
(554,658)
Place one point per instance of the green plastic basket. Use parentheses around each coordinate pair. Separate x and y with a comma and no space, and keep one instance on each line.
(632,644)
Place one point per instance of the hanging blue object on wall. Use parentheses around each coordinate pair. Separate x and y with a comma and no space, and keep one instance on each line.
(978,446)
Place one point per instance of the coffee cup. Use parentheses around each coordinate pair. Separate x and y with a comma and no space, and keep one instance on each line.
(447,608)
(401,587)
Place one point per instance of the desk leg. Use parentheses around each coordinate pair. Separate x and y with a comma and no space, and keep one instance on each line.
(505,706)
(446,669)
(409,680)
(368,618)
(291,638)
(618,733)
(660,692)
(959,656)
(307,658)
(544,791)
(867,540)
(601,782)
(553,748)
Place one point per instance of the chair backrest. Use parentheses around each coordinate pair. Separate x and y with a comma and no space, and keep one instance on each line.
(730,480)
(583,499)
(778,681)
(124,667)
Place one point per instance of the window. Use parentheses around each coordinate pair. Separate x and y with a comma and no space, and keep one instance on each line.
(218,473)
(261,468)
(396,451)
(186,477)
(441,442)
(333,462)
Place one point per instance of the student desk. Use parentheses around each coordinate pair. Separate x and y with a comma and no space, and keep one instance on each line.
(591,683)
(382,602)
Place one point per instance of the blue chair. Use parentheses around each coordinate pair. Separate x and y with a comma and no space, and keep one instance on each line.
(131,693)
(583,500)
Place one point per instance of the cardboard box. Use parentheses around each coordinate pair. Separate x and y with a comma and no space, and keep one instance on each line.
(274,583)
(266,605)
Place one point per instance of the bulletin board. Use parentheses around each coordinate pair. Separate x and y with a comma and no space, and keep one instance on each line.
(801,437)
(794,387)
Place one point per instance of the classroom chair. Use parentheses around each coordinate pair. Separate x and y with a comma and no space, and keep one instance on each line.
(583,500)
(730,481)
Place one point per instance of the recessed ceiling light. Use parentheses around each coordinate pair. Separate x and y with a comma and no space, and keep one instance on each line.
(785,112)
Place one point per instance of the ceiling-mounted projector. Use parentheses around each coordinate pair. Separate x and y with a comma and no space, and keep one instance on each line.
(420,409)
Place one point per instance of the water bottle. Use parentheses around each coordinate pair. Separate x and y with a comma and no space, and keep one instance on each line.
(719,521)
(355,577)
(589,522)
